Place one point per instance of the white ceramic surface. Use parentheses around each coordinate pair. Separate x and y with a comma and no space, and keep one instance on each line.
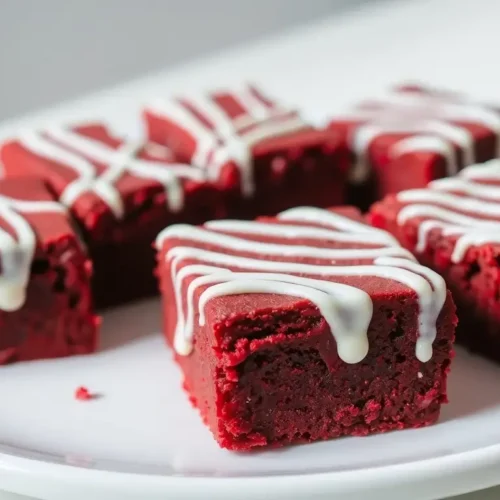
(141,440)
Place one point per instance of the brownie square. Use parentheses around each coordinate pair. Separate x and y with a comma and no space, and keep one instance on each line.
(45,299)
(262,155)
(414,135)
(120,193)
(306,326)
(453,226)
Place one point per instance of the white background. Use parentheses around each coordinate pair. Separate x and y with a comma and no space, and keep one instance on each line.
(57,49)
(447,42)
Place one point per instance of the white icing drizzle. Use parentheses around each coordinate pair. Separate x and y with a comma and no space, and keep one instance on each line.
(326,218)
(433,122)
(453,201)
(229,139)
(17,252)
(293,231)
(347,309)
(429,144)
(430,311)
(483,171)
(77,152)
(484,192)
(200,235)
(465,206)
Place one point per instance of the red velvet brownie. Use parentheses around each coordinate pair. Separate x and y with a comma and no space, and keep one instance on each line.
(120,193)
(45,298)
(414,135)
(305,326)
(453,226)
(263,156)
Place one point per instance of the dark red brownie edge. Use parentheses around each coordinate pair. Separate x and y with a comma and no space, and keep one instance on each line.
(124,267)
(57,319)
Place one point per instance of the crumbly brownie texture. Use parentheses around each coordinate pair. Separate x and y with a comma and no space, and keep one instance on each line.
(120,193)
(307,326)
(414,135)
(263,156)
(453,226)
(45,298)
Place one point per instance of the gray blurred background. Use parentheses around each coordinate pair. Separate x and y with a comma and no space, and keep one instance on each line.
(54,50)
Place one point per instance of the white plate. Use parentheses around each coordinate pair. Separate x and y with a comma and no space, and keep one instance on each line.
(142,439)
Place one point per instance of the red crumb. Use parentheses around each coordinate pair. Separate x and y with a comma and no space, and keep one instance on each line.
(83,394)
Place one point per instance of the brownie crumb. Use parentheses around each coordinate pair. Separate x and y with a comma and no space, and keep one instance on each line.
(83,394)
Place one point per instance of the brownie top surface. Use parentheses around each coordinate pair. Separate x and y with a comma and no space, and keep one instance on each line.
(331,258)
(94,172)
(30,198)
(464,210)
(415,119)
(232,127)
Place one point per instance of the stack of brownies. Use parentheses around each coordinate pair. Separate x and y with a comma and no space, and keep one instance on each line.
(293,315)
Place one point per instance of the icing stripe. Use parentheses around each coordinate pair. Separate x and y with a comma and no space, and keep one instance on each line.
(324,217)
(478,191)
(176,113)
(250,246)
(257,110)
(430,312)
(452,201)
(428,144)
(40,146)
(296,231)
(487,171)
(352,341)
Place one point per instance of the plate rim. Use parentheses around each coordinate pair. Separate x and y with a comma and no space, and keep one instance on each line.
(435,470)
